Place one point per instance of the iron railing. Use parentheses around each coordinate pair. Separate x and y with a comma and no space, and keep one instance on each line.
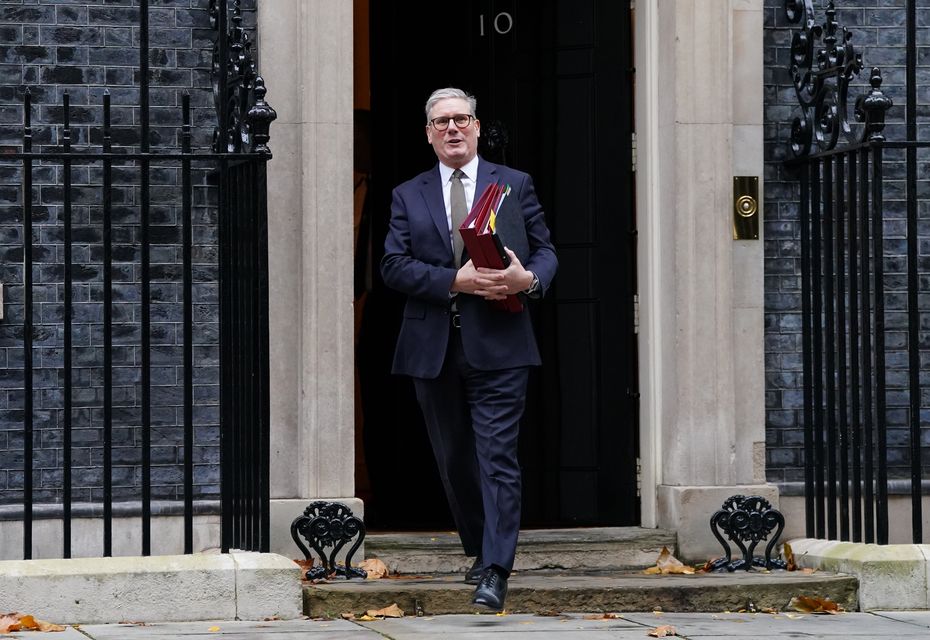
(845,273)
(238,161)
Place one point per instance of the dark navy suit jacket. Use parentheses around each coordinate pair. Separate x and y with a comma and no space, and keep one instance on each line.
(418,261)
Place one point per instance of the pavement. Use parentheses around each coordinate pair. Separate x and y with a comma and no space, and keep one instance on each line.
(627,626)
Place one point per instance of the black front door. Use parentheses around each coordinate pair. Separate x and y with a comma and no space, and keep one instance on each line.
(554,89)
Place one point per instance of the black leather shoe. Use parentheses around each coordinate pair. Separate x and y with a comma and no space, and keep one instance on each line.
(473,575)
(491,590)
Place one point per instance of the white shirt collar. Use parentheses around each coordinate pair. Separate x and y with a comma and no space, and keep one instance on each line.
(470,170)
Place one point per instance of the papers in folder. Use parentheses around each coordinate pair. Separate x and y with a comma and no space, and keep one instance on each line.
(479,233)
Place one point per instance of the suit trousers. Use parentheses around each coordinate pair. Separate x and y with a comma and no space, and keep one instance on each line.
(473,420)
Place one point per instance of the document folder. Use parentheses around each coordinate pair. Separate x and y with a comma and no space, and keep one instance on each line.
(493,223)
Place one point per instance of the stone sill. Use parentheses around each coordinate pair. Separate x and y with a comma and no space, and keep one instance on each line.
(234,586)
(891,577)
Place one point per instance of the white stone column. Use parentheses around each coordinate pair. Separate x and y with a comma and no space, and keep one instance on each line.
(305,56)
(699,123)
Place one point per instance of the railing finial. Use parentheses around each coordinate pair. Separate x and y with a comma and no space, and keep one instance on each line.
(871,108)
(235,62)
(260,117)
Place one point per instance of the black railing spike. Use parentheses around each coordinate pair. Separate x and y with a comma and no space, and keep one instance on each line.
(242,276)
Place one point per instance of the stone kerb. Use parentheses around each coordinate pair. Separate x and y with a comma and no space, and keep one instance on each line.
(891,577)
(246,586)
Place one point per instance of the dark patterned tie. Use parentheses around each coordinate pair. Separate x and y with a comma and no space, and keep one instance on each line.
(459,213)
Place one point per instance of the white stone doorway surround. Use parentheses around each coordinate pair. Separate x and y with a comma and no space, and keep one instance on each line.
(699,122)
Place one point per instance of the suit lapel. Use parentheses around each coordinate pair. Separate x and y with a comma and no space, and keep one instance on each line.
(431,189)
(487,173)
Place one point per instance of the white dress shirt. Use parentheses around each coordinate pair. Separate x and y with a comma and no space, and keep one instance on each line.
(469,181)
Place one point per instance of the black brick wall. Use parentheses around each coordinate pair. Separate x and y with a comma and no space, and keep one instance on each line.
(879,33)
(83,47)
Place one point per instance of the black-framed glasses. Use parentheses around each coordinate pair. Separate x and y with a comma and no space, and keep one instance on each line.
(461,121)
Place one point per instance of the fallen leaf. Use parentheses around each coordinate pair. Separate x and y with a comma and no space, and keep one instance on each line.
(500,614)
(789,558)
(652,571)
(603,616)
(305,565)
(24,622)
(392,611)
(814,604)
(213,629)
(348,615)
(667,563)
(808,571)
(374,567)
(774,612)
(664,631)
(366,618)
(707,567)
(549,614)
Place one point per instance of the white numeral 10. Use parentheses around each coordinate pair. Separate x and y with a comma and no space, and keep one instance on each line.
(503,23)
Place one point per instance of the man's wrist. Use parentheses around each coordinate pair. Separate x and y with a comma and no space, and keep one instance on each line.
(533,289)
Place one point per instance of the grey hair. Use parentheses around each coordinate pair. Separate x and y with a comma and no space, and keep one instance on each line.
(450,92)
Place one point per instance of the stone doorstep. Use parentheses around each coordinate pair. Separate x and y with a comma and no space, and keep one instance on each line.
(607,548)
(544,592)
(239,585)
(891,577)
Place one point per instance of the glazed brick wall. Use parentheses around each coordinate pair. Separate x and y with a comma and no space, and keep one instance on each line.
(84,47)
(879,33)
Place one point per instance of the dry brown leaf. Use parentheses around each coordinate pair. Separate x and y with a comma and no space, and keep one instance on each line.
(374,567)
(808,571)
(305,566)
(348,615)
(814,604)
(392,611)
(10,622)
(603,616)
(667,563)
(666,630)
(789,558)
(7,620)
(707,566)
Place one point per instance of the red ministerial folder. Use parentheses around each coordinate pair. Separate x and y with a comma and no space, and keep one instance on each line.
(484,245)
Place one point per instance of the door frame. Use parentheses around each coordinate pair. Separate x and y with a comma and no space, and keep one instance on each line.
(655,303)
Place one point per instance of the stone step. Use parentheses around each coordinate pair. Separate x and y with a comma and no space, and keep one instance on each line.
(603,548)
(541,592)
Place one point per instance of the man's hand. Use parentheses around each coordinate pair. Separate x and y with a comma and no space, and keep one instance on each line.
(493,284)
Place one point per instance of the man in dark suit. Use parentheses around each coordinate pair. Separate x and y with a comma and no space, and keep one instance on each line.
(468,360)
